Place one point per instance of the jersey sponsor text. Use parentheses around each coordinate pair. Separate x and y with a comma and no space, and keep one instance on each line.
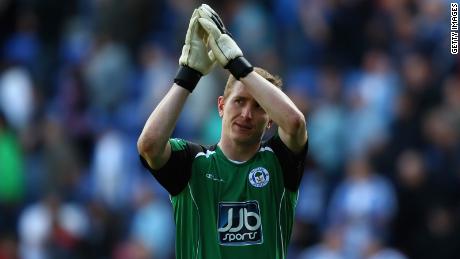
(239,223)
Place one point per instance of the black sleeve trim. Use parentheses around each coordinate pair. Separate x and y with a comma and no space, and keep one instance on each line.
(292,164)
(176,173)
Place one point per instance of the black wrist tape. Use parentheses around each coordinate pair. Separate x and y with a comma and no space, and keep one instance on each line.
(187,77)
(239,67)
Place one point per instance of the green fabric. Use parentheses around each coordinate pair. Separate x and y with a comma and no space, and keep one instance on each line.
(218,184)
(177,144)
(11,169)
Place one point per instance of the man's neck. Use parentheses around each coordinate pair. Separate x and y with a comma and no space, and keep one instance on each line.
(237,152)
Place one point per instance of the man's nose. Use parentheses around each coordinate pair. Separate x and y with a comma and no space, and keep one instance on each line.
(247,112)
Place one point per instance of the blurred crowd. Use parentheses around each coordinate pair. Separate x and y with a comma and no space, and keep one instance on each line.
(375,80)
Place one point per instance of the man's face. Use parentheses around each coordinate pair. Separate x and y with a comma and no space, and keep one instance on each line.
(243,120)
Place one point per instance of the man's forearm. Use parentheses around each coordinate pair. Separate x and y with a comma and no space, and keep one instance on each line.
(280,109)
(276,103)
(162,122)
(194,62)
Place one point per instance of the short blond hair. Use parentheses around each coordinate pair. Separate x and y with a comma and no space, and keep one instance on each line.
(274,79)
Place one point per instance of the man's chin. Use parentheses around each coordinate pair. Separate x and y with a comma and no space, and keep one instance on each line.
(245,139)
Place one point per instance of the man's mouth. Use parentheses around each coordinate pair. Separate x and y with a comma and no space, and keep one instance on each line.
(243,126)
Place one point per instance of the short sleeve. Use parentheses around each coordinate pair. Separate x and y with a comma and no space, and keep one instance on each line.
(292,164)
(176,173)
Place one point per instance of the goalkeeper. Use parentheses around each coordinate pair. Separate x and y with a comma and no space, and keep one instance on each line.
(235,199)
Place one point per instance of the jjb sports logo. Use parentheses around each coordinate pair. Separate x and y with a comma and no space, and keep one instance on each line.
(239,223)
(259,177)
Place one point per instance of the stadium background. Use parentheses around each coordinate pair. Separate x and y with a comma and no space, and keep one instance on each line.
(375,79)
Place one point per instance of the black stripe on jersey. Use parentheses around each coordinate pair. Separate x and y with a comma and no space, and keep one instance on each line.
(176,173)
(292,164)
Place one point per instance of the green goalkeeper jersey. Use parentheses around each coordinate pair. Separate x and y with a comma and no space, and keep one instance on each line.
(227,209)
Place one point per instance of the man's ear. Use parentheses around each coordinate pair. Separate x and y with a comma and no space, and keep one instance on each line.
(220,106)
(269,124)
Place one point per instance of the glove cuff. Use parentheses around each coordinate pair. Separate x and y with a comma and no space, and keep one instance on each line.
(187,77)
(239,67)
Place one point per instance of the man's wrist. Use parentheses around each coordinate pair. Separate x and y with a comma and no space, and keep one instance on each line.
(187,77)
(239,67)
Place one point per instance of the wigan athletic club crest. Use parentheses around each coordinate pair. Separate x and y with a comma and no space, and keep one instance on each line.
(259,177)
